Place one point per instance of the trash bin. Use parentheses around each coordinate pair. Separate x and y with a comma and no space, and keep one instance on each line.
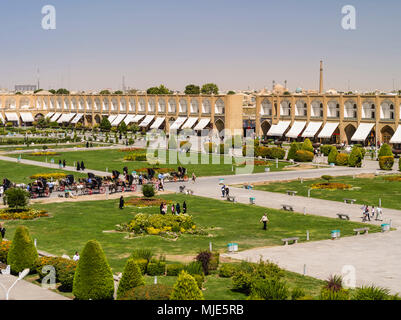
(267,169)
(232,247)
(335,234)
(385,227)
(221,181)
(252,200)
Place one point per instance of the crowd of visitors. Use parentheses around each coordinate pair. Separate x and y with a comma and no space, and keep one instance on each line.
(175,208)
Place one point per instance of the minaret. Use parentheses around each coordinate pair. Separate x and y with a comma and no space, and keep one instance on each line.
(321,78)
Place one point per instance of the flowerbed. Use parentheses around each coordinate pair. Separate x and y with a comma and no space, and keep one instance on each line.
(4,248)
(132,150)
(146,202)
(331,186)
(44,153)
(255,163)
(65,270)
(393,178)
(25,214)
(48,176)
(169,225)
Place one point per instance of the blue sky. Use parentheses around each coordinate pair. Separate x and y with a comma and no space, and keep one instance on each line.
(233,43)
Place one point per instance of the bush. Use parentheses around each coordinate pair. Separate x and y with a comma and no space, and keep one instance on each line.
(156,268)
(148,292)
(325,149)
(227,270)
(307,145)
(146,254)
(142,264)
(262,152)
(131,278)
(186,288)
(65,270)
(270,289)
(327,294)
(174,269)
(242,282)
(17,198)
(204,258)
(249,151)
(386,162)
(93,278)
(385,151)
(22,254)
(214,261)
(148,190)
(276,153)
(332,155)
(199,278)
(371,293)
(355,158)
(297,293)
(304,156)
(327,177)
(194,267)
(295,146)
(342,159)
(4,249)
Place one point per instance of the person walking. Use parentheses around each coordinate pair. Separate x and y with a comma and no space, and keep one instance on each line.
(78,166)
(172,209)
(64,163)
(60,164)
(178,208)
(2,230)
(76,256)
(223,190)
(121,206)
(82,166)
(227,192)
(161,208)
(379,214)
(184,208)
(373,212)
(193,177)
(264,219)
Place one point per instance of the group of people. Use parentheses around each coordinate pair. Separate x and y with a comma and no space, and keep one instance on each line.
(80,166)
(225,191)
(62,164)
(367,214)
(175,208)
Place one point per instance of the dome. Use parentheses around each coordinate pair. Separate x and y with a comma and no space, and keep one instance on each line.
(298,90)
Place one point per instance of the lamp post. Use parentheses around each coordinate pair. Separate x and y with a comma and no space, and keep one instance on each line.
(21,276)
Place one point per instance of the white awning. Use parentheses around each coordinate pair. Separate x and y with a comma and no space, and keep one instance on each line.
(66,117)
(158,122)
(328,130)
(77,118)
(55,116)
(138,117)
(112,117)
(362,132)
(296,129)
(202,124)
(2,119)
(11,116)
(279,128)
(178,123)
(189,123)
(396,138)
(118,120)
(312,129)
(49,115)
(128,119)
(26,117)
(146,121)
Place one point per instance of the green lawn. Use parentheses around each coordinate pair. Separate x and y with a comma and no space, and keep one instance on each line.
(51,146)
(74,223)
(20,173)
(364,191)
(114,160)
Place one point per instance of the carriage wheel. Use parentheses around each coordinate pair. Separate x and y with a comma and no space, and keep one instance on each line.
(102,190)
(185,178)
(133,187)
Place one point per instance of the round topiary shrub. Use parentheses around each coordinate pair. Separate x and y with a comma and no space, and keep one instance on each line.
(342,159)
(304,156)
(148,190)
(93,277)
(275,153)
(355,158)
(295,146)
(22,254)
(385,151)
(325,149)
(386,162)
(332,155)
(186,288)
(132,277)
(307,145)
(148,292)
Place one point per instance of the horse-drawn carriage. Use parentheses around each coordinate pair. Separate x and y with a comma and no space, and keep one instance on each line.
(39,189)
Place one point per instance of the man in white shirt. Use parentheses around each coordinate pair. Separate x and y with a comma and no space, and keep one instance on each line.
(76,257)
(264,220)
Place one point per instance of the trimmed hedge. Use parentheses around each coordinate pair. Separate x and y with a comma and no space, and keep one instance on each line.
(4,249)
(386,162)
(186,288)
(385,151)
(142,264)
(65,270)
(342,159)
(332,158)
(156,268)
(131,278)
(303,156)
(295,146)
(276,153)
(307,145)
(174,269)
(355,158)
(149,292)
(325,149)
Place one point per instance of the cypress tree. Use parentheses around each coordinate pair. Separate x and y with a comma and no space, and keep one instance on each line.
(385,151)
(307,145)
(332,155)
(295,146)
(93,277)
(132,277)
(186,288)
(22,252)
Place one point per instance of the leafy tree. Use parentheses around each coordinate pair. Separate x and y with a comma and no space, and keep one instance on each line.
(52,91)
(148,190)
(210,88)
(118,92)
(105,124)
(19,93)
(132,277)
(17,198)
(192,89)
(104,92)
(22,254)
(93,277)
(230,92)
(122,127)
(186,288)
(332,155)
(133,128)
(38,90)
(307,145)
(62,91)
(158,90)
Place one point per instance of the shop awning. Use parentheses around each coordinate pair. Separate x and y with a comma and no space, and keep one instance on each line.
(11,116)
(77,118)
(279,128)
(158,122)
(26,117)
(178,123)
(362,132)
(146,121)
(189,123)
(396,138)
(49,115)
(55,116)
(112,117)
(138,117)
(311,129)
(118,119)
(2,119)
(202,124)
(128,119)
(328,130)
(296,129)
(66,117)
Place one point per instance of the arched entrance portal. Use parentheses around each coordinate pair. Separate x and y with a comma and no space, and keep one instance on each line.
(387,132)
(349,132)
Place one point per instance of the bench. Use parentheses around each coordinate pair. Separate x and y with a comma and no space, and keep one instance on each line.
(287,207)
(293,239)
(351,201)
(231,198)
(361,230)
(182,189)
(343,216)
(291,192)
